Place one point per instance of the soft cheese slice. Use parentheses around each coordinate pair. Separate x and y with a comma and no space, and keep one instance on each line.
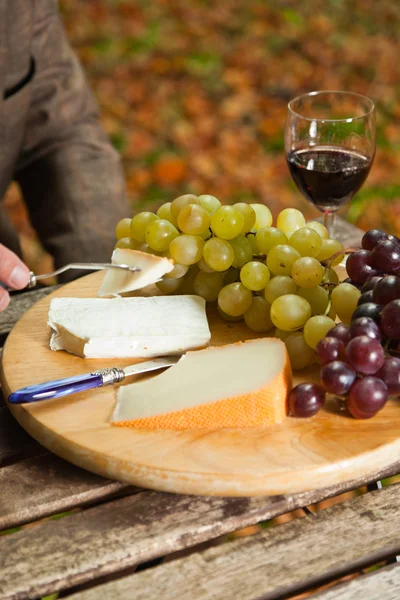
(117,281)
(128,327)
(238,385)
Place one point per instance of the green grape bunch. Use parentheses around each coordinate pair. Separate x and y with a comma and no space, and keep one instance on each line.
(277,278)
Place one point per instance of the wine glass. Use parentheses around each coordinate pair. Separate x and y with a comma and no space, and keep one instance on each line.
(330,147)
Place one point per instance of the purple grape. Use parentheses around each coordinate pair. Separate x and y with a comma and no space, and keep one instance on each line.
(386,290)
(359,266)
(369,309)
(390,320)
(365,355)
(367,396)
(372,238)
(329,349)
(390,375)
(386,256)
(365,297)
(341,332)
(371,283)
(365,326)
(394,347)
(337,377)
(306,399)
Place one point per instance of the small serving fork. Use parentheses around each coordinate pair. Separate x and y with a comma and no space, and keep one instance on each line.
(85,266)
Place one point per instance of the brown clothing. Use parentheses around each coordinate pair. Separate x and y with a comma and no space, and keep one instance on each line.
(51,142)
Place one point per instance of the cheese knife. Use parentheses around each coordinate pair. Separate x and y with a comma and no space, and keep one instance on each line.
(80,383)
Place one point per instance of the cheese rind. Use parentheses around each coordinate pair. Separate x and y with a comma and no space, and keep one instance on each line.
(118,281)
(237,385)
(136,327)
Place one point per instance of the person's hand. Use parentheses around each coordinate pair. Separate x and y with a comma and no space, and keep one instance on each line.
(13,274)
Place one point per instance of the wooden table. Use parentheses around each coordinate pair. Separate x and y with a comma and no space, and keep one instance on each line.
(120,542)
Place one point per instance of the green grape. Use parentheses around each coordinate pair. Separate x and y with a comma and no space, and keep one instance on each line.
(254,275)
(187,249)
(228,317)
(127,242)
(279,286)
(210,203)
(231,276)
(268,237)
(332,313)
(317,297)
(187,286)
(253,243)
(242,251)
(193,219)
(203,266)
(281,258)
(282,335)
(218,254)
(145,248)
(263,216)
(178,271)
(249,215)
(300,353)
(307,272)
(257,317)
(290,312)
(290,219)
(319,228)
(306,241)
(208,285)
(227,222)
(123,229)
(180,202)
(169,286)
(330,276)
(234,299)
(328,249)
(344,300)
(206,234)
(139,225)
(159,234)
(316,329)
(164,212)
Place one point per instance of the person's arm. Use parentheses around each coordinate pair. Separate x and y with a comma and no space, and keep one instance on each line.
(70,175)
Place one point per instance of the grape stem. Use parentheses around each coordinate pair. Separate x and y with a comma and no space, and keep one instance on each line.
(328,262)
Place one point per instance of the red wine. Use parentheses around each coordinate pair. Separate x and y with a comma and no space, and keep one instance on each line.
(328,176)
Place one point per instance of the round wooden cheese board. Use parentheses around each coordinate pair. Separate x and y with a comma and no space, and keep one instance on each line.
(298,455)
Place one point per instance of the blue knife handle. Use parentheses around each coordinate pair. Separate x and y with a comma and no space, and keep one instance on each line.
(56,389)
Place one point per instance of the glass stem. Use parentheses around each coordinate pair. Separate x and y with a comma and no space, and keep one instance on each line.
(329,222)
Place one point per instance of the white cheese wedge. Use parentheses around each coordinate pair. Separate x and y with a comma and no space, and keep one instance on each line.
(237,385)
(117,281)
(128,327)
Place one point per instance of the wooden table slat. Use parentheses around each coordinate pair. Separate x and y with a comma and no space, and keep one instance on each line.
(384,583)
(115,536)
(277,562)
(44,485)
(15,443)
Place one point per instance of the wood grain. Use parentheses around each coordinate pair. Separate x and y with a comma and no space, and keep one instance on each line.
(115,536)
(277,562)
(43,485)
(297,456)
(384,583)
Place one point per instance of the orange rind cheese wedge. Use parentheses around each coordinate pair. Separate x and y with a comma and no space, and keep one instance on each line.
(238,385)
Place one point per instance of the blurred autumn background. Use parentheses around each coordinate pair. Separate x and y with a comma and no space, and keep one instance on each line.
(193,93)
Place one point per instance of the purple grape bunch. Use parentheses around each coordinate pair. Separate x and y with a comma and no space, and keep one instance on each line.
(361,362)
